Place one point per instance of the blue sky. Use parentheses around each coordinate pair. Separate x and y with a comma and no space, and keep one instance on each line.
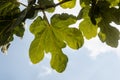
(94,61)
(81,66)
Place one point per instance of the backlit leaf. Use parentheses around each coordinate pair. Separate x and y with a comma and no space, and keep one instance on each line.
(52,38)
(89,30)
(71,36)
(69,4)
(109,34)
(59,61)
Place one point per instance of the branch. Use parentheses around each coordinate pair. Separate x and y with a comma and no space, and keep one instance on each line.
(22,4)
(45,17)
(52,6)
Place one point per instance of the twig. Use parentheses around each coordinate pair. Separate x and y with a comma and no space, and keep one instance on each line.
(45,17)
(22,4)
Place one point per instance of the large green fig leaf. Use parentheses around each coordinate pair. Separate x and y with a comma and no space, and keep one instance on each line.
(52,38)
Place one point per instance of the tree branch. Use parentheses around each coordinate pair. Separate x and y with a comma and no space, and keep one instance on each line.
(45,17)
(22,4)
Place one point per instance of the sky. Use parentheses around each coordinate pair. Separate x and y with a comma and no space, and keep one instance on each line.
(94,61)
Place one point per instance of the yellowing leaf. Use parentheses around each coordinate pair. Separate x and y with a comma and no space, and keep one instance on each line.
(69,4)
(89,30)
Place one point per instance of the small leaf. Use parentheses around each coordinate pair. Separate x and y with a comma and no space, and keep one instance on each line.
(102,36)
(31,13)
(73,37)
(84,3)
(69,4)
(19,31)
(83,13)
(47,3)
(89,30)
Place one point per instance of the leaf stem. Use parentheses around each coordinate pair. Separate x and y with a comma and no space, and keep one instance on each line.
(22,4)
(45,17)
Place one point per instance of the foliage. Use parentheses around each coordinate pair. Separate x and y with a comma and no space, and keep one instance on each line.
(54,35)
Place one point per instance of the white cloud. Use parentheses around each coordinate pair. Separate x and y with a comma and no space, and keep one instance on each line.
(96,47)
(23,1)
(48,56)
(42,69)
(46,71)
